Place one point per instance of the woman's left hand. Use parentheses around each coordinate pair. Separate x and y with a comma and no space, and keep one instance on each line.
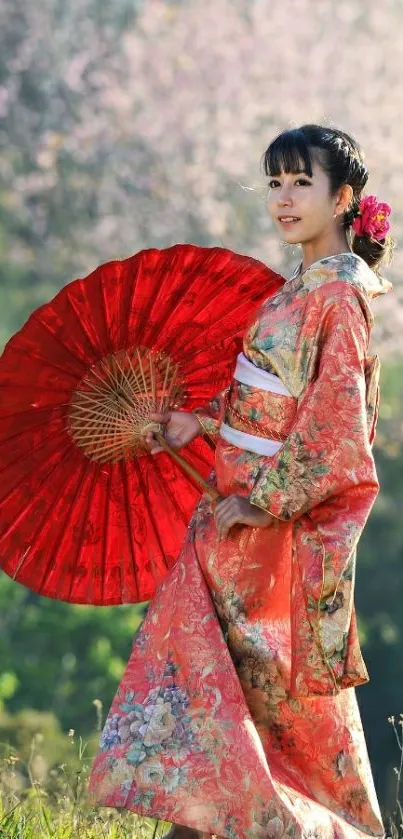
(235,509)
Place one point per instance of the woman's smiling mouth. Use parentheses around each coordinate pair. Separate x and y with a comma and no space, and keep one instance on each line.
(288,219)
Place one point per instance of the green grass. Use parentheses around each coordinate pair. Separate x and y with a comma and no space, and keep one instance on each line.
(38,802)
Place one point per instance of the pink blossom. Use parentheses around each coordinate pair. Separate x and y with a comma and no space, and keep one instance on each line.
(372,220)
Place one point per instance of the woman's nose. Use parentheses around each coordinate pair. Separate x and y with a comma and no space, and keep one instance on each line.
(284,197)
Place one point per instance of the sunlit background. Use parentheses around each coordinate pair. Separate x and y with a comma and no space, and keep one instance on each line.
(131,124)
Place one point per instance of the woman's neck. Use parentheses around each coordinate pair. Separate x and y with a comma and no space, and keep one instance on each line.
(327,246)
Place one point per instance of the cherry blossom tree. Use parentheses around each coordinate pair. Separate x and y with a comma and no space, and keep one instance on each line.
(144,124)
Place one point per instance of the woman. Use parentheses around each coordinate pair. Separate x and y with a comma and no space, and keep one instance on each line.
(237,712)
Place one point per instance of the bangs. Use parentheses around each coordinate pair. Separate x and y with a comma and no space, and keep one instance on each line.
(289,152)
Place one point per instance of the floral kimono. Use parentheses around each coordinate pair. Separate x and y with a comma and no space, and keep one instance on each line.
(237,712)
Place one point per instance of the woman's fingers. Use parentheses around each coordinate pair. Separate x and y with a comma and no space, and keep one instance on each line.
(162,418)
(154,446)
(156,449)
(226,515)
(237,509)
(152,443)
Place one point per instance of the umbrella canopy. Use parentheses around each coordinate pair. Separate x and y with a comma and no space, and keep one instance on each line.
(102,524)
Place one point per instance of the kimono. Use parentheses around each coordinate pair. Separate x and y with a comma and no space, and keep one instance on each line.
(237,713)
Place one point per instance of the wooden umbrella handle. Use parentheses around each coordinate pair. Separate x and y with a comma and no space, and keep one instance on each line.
(211,491)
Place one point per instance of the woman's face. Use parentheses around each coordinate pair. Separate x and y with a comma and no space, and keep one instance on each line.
(302,207)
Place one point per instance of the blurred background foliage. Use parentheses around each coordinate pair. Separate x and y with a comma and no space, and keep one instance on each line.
(138,124)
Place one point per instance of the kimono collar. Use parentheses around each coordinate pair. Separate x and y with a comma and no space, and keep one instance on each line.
(348,267)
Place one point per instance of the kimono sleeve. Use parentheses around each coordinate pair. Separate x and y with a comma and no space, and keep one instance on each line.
(328,451)
(211,415)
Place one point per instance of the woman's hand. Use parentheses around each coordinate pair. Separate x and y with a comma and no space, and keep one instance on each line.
(181,427)
(235,509)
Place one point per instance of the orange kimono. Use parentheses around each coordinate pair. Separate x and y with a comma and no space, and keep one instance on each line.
(237,713)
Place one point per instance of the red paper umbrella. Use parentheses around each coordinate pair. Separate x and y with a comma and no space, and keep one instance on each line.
(87,515)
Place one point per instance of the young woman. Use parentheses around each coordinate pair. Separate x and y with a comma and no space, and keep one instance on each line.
(237,713)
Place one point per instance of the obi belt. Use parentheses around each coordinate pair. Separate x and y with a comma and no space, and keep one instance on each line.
(265,407)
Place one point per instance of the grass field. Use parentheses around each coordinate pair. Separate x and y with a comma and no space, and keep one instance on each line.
(42,802)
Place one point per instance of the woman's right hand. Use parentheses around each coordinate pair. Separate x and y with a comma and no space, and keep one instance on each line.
(181,427)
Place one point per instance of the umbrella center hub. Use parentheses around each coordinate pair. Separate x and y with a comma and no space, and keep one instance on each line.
(112,407)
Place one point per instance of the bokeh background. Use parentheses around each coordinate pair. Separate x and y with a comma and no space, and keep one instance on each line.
(132,124)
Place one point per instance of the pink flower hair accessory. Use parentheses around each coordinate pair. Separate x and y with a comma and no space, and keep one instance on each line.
(373,218)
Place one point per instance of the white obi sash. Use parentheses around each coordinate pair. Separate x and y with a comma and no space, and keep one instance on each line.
(249,374)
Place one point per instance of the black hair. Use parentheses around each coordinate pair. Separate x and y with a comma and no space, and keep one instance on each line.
(342,159)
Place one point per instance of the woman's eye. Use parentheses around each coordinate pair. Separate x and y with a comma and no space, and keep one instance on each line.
(275,184)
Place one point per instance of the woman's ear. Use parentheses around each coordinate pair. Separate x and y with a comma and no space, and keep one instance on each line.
(344,198)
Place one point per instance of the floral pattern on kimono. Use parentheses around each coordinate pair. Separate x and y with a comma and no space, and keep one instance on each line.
(314,334)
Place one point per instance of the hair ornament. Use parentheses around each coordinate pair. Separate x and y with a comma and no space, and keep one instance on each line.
(372,220)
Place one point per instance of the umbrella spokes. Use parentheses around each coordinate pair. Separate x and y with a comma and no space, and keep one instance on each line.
(111,408)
